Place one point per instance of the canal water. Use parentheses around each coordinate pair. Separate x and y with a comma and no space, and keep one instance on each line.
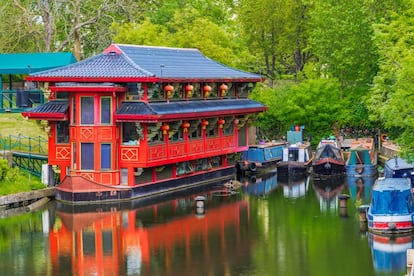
(259,225)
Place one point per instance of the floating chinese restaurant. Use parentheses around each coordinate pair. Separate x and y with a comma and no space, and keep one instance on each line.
(136,121)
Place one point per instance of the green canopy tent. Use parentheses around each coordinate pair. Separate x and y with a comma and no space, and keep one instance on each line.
(25,64)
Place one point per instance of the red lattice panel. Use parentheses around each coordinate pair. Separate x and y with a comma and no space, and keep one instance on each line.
(88,176)
(106,133)
(129,154)
(196,147)
(87,133)
(176,150)
(62,152)
(157,153)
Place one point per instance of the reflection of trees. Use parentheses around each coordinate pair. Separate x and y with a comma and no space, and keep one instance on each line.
(23,236)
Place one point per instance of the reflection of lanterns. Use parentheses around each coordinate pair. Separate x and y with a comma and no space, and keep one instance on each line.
(207,90)
(169,89)
(221,123)
(189,90)
(223,90)
(185,126)
(165,128)
(204,124)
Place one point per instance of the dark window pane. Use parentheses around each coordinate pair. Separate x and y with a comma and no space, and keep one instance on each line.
(105,110)
(87,111)
(87,157)
(105,156)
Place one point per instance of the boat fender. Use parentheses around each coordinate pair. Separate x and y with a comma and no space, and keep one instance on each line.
(253,179)
(252,167)
(359,170)
(327,166)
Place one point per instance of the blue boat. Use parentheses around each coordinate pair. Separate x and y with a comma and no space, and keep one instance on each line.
(260,157)
(361,158)
(398,168)
(391,210)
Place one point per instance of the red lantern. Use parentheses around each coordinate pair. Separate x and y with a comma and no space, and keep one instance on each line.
(185,126)
(223,89)
(221,123)
(165,128)
(189,90)
(169,89)
(207,90)
(204,124)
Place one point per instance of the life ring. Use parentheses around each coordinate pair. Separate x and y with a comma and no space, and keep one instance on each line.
(384,137)
(253,179)
(252,167)
(359,169)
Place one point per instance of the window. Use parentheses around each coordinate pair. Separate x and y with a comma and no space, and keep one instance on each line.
(105,156)
(73,110)
(105,110)
(62,132)
(131,133)
(87,156)
(74,156)
(87,111)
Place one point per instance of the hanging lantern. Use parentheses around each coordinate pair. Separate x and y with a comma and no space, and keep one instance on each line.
(223,89)
(236,122)
(185,126)
(221,123)
(204,124)
(169,89)
(189,90)
(165,128)
(206,90)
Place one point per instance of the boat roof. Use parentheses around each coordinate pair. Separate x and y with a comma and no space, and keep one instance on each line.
(269,144)
(398,163)
(364,143)
(300,145)
(391,184)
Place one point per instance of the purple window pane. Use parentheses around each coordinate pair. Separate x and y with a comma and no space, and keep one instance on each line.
(87,157)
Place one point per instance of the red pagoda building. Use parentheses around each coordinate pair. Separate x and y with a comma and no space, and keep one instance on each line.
(135,121)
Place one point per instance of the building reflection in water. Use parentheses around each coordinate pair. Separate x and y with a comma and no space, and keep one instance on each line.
(360,188)
(148,239)
(294,187)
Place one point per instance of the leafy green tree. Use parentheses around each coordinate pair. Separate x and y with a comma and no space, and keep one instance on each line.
(340,39)
(392,90)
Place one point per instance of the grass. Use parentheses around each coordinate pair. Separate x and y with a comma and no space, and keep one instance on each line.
(13,124)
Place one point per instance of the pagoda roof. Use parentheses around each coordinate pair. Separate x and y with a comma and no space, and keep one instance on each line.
(27,63)
(133,63)
(54,110)
(155,111)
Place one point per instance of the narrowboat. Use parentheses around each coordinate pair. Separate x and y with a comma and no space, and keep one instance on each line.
(260,157)
(392,206)
(297,159)
(397,167)
(362,158)
(328,160)
(136,121)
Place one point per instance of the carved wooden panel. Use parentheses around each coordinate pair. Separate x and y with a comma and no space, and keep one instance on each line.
(88,175)
(157,152)
(129,154)
(176,149)
(106,133)
(196,147)
(87,134)
(62,152)
(106,178)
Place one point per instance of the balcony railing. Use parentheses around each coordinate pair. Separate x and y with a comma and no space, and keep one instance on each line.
(19,100)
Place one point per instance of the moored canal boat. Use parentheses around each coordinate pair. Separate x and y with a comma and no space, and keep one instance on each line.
(297,160)
(398,167)
(260,157)
(328,160)
(136,121)
(362,158)
(391,209)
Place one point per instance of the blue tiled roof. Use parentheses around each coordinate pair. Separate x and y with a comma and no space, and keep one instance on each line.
(187,109)
(133,61)
(52,110)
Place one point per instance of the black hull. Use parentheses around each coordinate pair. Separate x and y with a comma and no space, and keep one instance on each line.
(119,194)
(328,169)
